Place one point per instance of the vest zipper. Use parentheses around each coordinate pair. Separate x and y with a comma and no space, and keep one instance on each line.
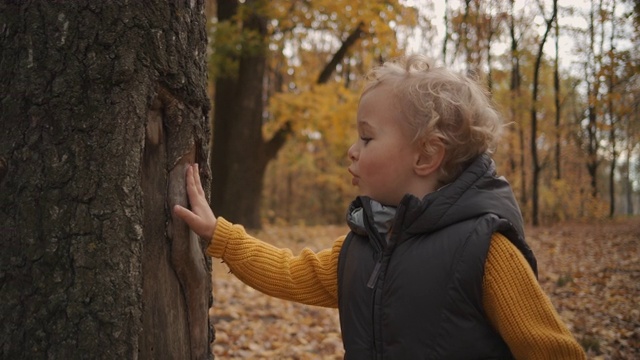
(371,284)
(373,279)
(374,275)
(376,269)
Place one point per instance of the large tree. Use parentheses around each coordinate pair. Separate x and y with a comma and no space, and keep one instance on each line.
(240,152)
(102,105)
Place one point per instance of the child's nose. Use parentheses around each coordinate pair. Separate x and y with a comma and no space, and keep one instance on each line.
(351,153)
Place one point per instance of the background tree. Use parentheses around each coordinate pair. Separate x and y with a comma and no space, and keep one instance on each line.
(320,38)
(308,182)
(103,105)
(475,27)
(610,70)
(593,81)
(535,163)
(516,140)
(239,153)
(558,107)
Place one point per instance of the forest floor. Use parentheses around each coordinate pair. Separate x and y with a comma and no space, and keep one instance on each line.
(591,272)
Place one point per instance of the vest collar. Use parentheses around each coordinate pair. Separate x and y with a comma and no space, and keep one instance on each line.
(381,216)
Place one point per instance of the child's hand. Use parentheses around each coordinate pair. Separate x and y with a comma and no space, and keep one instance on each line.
(200,218)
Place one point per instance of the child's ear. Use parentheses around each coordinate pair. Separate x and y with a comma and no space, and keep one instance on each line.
(428,164)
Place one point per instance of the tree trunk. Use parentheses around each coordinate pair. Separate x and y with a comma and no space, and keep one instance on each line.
(238,147)
(612,83)
(447,34)
(593,95)
(103,104)
(556,95)
(628,182)
(240,154)
(491,32)
(535,163)
(632,118)
(515,107)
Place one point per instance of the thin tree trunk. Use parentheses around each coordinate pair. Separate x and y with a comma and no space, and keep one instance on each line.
(516,95)
(535,164)
(612,119)
(628,180)
(524,197)
(556,87)
(490,34)
(446,32)
(592,110)
(629,153)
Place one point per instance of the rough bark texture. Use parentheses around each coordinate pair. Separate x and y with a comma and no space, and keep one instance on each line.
(102,105)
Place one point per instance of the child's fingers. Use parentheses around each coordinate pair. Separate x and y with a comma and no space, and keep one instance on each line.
(192,191)
(199,218)
(195,192)
(186,215)
(203,227)
(196,177)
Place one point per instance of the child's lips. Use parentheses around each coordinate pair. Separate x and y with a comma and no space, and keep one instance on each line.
(355,180)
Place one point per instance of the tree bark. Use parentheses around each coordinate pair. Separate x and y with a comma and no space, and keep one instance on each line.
(102,105)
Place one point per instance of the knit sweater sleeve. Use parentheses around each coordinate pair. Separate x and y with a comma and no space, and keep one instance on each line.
(309,278)
(519,309)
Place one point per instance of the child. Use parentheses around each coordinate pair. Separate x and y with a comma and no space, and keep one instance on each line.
(435,265)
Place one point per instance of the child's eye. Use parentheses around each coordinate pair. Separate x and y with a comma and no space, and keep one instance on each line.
(365,139)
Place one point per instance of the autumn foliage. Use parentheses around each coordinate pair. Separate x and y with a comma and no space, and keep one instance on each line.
(571,144)
(575,139)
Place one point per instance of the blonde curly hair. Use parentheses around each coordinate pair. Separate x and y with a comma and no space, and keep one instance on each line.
(440,104)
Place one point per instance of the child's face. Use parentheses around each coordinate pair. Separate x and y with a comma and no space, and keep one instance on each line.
(382,159)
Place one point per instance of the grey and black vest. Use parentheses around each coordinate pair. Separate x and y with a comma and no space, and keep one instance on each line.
(418,293)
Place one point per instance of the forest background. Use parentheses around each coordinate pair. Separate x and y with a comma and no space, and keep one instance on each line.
(286,78)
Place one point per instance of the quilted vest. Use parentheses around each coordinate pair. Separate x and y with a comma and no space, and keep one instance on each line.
(418,295)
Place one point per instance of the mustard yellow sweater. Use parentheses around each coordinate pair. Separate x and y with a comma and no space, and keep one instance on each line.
(513,300)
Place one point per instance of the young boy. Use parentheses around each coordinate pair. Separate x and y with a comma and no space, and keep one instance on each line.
(435,265)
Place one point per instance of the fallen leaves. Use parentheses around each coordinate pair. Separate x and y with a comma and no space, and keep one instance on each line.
(251,325)
(591,272)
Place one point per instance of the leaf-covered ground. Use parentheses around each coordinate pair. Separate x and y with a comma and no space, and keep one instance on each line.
(590,271)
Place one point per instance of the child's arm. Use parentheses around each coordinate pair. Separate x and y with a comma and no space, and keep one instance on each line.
(307,278)
(519,309)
